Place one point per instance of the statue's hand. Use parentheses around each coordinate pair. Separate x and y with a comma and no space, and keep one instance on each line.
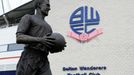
(47,41)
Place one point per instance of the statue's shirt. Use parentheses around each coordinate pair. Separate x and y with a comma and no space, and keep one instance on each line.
(33,25)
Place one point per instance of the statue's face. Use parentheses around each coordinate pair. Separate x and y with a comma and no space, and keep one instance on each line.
(45,7)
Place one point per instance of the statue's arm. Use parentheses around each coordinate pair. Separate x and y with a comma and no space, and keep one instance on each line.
(21,34)
(26,39)
(23,38)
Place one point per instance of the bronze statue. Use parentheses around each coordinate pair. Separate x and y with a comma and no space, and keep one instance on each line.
(36,34)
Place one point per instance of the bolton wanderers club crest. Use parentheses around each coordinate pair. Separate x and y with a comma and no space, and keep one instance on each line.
(84,23)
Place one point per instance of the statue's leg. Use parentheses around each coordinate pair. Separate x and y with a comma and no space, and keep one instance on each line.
(44,69)
(24,68)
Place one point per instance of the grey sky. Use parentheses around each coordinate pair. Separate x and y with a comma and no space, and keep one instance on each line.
(11,4)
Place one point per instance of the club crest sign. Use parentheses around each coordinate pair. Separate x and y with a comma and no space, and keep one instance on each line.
(84,24)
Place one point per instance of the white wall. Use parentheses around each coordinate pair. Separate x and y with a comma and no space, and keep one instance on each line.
(113,49)
(8,35)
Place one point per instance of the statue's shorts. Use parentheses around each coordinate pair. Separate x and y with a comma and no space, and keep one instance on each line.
(33,65)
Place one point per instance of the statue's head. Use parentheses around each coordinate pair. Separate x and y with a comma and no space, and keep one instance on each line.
(43,5)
